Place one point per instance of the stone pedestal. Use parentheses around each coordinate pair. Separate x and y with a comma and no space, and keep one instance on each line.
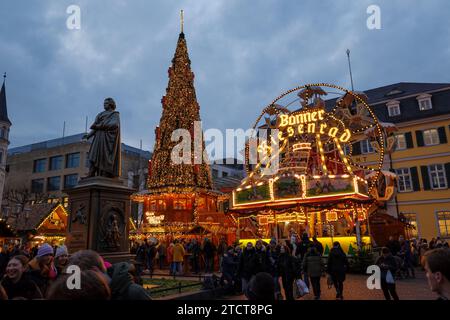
(99,218)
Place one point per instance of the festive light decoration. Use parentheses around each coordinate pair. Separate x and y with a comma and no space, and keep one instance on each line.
(179,195)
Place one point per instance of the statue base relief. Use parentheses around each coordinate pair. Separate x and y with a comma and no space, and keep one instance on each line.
(99,218)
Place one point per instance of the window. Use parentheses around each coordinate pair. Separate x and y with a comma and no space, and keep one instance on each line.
(437,176)
(444,223)
(401,142)
(136,181)
(431,137)
(37,186)
(215,173)
(404,180)
(366,147)
(224,174)
(70,181)
(411,219)
(54,184)
(39,165)
(56,163)
(73,160)
(425,104)
(393,109)
(180,204)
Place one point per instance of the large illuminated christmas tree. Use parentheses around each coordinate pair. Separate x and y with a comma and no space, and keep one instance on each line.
(180,111)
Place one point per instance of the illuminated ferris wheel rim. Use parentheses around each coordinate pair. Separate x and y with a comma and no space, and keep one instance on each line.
(331,114)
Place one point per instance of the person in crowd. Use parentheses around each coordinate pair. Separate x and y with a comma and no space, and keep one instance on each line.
(162,252)
(151,253)
(170,259)
(316,243)
(286,270)
(337,267)
(61,259)
(303,246)
(437,267)
(313,267)
(260,257)
(393,246)
(408,261)
(222,248)
(140,258)
(17,283)
(41,269)
(228,267)
(432,244)
(117,276)
(195,256)
(261,288)
(246,267)
(178,257)
(273,253)
(92,287)
(388,268)
(209,250)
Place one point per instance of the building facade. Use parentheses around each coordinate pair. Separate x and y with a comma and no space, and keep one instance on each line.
(421,158)
(43,170)
(5,124)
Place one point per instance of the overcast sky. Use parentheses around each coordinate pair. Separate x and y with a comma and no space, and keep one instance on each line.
(244,53)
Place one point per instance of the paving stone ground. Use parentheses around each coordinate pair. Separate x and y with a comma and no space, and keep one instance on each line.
(355,289)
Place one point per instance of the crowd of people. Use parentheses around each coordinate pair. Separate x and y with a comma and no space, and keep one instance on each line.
(198,255)
(42,275)
(259,270)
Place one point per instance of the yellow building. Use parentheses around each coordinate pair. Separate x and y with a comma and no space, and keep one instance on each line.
(421,157)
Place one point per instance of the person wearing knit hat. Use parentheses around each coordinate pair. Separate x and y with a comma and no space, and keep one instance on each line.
(41,268)
(61,259)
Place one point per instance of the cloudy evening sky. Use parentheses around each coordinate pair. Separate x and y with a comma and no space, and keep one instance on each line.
(244,53)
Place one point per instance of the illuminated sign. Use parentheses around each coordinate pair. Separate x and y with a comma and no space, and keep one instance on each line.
(309,122)
(152,219)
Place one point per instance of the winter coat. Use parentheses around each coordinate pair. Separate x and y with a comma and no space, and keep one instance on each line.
(122,284)
(387,264)
(178,253)
(318,246)
(393,246)
(286,266)
(312,265)
(272,262)
(229,264)
(209,249)
(170,254)
(222,248)
(261,264)
(140,254)
(302,247)
(24,288)
(337,263)
(162,250)
(41,279)
(247,264)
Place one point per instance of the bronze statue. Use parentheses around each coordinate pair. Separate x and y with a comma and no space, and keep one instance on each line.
(104,154)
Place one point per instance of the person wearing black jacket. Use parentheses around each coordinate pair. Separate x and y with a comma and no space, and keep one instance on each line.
(261,258)
(286,270)
(337,267)
(228,267)
(387,263)
(273,252)
(247,265)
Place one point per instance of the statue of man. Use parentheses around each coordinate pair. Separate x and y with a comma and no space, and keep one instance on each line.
(104,154)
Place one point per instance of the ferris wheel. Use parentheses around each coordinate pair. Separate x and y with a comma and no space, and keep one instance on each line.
(315,128)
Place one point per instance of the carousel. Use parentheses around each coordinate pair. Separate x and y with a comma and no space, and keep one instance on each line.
(301,176)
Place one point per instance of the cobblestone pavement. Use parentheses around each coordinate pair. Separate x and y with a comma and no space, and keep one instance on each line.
(355,289)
